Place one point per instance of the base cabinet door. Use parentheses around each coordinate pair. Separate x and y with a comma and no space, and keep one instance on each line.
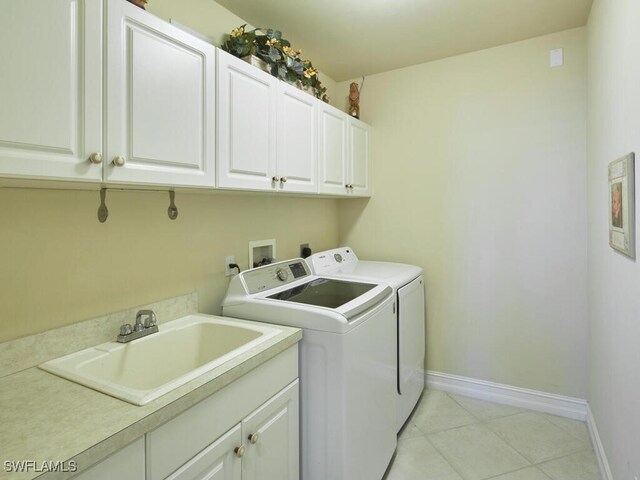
(160,102)
(271,436)
(219,461)
(51,89)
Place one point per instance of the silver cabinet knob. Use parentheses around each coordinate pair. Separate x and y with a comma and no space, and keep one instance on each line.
(95,158)
(275,179)
(239,451)
(118,161)
(283,180)
(253,438)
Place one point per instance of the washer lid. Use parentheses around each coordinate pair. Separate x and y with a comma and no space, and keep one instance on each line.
(324,292)
(346,298)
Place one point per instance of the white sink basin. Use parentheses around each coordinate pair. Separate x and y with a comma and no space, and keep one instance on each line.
(149,367)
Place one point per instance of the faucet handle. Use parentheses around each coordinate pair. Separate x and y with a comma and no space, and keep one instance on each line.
(126,329)
(150,321)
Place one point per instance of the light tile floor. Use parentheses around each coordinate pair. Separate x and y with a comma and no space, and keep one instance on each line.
(450,437)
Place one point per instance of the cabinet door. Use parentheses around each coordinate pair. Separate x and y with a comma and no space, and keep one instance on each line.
(332,150)
(50,88)
(359,147)
(125,464)
(271,436)
(160,101)
(246,125)
(297,150)
(216,462)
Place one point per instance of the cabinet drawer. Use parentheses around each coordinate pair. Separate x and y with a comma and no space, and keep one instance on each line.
(174,443)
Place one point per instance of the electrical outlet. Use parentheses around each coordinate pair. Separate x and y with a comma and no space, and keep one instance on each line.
(229,272)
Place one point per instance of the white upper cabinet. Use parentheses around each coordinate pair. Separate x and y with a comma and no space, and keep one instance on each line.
(297,146)
(267,131)
(246,125)
(359,158)
(333,153)
(160,101)
(344,151)
(50,89)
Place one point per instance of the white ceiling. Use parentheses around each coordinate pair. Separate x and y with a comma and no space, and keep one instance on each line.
(348,39)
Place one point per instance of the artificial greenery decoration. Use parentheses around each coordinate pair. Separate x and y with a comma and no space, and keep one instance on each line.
(284,62)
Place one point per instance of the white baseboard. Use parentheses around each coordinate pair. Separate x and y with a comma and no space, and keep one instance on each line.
(560,405)
(603,463)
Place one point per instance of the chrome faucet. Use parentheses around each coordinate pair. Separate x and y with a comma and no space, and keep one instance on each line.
(139,330)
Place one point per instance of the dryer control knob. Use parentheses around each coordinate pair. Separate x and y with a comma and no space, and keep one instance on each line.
(282,274)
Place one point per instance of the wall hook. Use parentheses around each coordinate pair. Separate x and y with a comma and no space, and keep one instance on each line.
(103,211)
(172,211)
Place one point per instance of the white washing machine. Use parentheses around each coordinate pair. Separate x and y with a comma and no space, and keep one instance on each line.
(407,283)
(347,364)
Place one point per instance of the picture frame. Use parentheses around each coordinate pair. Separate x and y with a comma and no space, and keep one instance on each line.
(622,218)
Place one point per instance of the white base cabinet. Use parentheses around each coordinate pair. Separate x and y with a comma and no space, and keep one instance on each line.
(248,430)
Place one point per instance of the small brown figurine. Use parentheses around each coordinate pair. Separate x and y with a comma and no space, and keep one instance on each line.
(354,100)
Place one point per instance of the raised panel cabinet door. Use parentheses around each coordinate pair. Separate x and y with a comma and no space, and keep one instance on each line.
(297,148)
(246,125)
(272,439)
(160,101)
(219,461)
(332,150)
(359,157)
(50,89)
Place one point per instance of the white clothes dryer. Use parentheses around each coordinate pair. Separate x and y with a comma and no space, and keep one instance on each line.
(408,287)
(346,364)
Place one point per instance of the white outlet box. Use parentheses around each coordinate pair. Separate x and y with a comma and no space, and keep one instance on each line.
(556,58)
(229,272)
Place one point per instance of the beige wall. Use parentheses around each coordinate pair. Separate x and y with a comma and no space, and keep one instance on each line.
(60,265)
(614,280)
(213,20)
(480,178)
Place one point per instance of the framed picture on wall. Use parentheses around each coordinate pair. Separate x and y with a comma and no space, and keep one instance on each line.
(622,219)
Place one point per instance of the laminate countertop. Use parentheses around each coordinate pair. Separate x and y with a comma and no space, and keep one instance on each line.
(45,418)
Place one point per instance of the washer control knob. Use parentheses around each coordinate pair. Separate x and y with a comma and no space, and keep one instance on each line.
(282,274)
(338,258)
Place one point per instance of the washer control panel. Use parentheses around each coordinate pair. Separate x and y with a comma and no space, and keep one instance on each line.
(332,260)
(275,275)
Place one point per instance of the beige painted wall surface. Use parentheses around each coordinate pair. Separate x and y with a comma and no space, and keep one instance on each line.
(213,20)
(614,280)
(60,265)
(480,178)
